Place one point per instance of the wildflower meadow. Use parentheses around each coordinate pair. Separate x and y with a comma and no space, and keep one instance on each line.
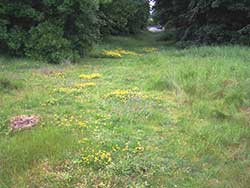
(136,113)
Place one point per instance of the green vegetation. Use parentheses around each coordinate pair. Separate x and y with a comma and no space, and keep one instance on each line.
(205,21)
(63,31)
(124,16)
(139,114)
(49,30)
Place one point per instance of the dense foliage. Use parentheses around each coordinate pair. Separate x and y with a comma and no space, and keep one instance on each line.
(59,31)
(206,21)
(124,16)
(52,30)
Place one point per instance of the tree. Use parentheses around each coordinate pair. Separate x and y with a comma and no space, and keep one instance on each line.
(124,16)
(206,21)
(65,30)
(50,29)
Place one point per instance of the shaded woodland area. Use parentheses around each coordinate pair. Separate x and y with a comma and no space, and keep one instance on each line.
(205,21)
(58,31)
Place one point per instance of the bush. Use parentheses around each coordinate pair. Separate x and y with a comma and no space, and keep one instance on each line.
(50,30)
(58,49)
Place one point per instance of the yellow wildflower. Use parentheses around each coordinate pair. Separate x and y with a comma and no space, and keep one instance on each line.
(111,53)
(84,85)
(119,53)
(82,124)
(59,75)
(83,140)
(126,148)
(139,147)
(90,76)
(126,94)
(149,50)
(99,158)
(126,52)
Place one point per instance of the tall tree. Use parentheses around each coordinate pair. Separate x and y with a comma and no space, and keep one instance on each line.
(124,16)
(206,21)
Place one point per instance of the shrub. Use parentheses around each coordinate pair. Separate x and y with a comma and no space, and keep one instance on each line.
(50,30)
(46,42)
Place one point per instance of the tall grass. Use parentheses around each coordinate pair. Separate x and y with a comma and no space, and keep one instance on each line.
(183,123)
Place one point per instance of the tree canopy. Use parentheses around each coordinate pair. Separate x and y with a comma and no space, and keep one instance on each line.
(124,16)
(206,21)
(58,31)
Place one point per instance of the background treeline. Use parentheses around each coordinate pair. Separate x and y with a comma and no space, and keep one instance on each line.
(205,21)
(124,16)
(65,30)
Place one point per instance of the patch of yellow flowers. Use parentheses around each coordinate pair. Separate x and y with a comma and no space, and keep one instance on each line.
(124,95)
(57,74)
(119,53)
(150,50)
(102,119)
(101,157)
(70,121)
(84,85)
(111,53)
(77,88)
(136,149)
(139,148)
(90,76)
(127,52)
(51,101)
(66,90)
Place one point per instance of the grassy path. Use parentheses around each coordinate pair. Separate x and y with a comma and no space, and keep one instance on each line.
(150,116)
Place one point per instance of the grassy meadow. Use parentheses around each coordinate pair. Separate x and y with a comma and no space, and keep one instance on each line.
(136,113)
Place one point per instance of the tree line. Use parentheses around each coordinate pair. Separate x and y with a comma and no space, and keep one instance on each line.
(65,30)
(205,21)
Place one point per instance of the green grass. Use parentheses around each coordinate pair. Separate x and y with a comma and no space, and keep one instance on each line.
(170,118)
